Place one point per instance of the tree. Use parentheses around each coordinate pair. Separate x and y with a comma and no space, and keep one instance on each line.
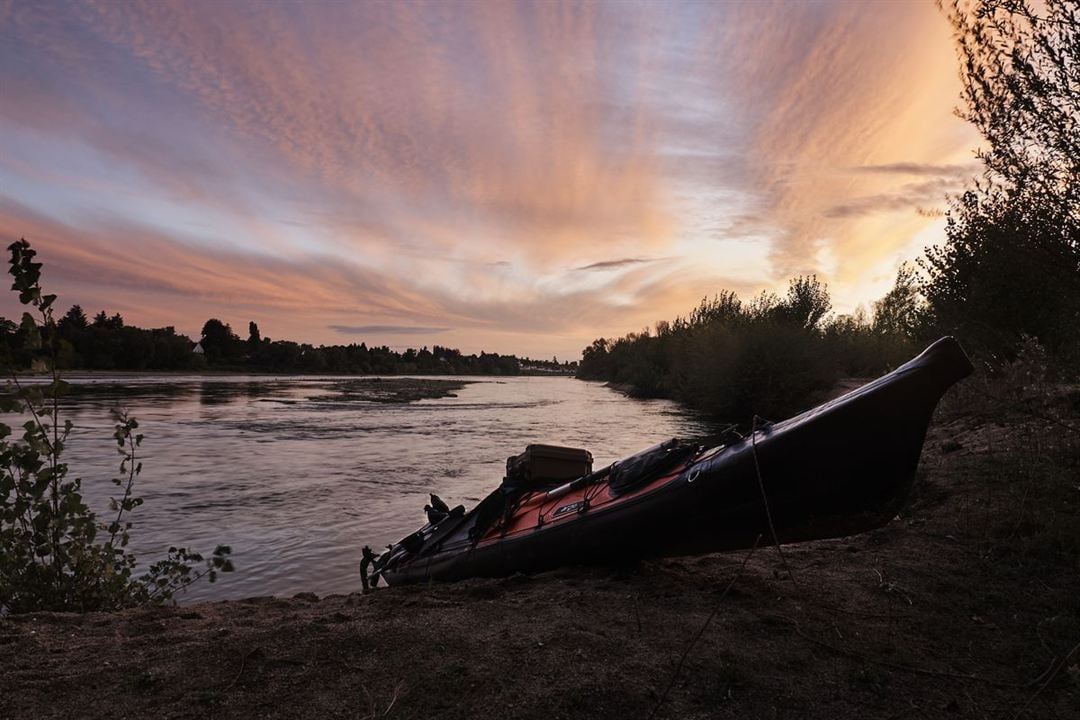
(807,302)
(595,361)
(1010,265)
(1009,269)
(74,318)
(1020,70)
(218,341)
(899,311)
(72,329)
(102,320)
(253,335)
(10,344)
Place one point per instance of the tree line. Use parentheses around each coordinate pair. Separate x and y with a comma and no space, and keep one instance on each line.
(225,349)
(106,342)
(1006,275)
(767,355)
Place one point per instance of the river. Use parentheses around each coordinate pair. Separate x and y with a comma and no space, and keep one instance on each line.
(296,478)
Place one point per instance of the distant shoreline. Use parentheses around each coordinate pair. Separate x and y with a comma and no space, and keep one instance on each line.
(74,374)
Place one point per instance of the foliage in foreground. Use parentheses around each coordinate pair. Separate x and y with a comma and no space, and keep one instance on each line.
(55,554)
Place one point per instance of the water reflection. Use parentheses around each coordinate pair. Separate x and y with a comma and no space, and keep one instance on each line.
(296,475)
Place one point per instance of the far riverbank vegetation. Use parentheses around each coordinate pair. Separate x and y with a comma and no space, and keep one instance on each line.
(107,342)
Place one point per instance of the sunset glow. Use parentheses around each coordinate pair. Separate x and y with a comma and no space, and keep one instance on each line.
(513,177)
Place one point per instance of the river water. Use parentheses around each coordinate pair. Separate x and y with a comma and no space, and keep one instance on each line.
(296,477)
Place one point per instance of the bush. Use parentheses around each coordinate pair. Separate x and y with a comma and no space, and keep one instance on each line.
(55,554)
(770,356)
(1010,267)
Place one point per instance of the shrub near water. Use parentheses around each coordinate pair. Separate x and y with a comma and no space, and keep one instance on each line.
(55,554)
(768,356)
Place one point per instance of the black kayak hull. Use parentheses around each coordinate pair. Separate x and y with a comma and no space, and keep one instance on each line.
(841,468)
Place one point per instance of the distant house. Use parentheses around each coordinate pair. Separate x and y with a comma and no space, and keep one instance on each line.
(198,349)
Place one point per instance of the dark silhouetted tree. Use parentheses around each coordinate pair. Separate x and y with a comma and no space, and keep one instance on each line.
(1010,265)
(1020,69)
(899,312)
(807,302)
(74,318)
(1009,268)
(218,341)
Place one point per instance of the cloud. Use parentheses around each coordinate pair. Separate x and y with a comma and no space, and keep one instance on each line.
(387,330)
(912,168)
(158,279)
(127,258)
(463,165)
(463,126)
(618,264)
(825,96)
(923,198)
(913,197)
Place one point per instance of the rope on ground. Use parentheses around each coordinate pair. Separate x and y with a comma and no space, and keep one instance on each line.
(701,630)
(776,543)
(765,499)
(243,663)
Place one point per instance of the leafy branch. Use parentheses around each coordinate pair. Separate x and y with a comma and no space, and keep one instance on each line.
(50,555)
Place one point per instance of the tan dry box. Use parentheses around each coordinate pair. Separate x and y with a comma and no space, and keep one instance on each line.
(544,464)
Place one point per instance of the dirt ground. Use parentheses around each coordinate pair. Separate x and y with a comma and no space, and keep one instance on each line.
(965,606)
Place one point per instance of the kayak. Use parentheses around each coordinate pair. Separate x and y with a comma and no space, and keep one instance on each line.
(838,469)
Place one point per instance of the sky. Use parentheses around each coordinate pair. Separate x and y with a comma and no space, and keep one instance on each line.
(512,177)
